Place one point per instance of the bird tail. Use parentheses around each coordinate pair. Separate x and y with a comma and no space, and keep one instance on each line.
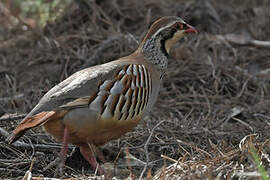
(28,123)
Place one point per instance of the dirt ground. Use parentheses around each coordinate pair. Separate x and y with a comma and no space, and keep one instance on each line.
(212,118)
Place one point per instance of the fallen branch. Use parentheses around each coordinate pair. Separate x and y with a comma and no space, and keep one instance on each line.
(11,117)
(38,147)
(243,40)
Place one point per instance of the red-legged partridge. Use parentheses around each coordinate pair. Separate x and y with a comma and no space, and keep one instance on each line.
(101,103)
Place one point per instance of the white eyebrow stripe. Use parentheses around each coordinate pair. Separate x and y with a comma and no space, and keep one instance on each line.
(161,29)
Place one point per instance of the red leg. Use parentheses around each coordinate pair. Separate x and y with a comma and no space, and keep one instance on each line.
(64,149)
(89,156)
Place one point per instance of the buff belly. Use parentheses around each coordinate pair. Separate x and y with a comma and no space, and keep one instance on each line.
(86,128)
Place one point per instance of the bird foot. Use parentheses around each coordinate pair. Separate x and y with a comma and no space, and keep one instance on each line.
(88,154)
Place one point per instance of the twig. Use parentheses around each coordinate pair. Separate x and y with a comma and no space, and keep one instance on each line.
(262,115)
(28,174)
(128,161)
(234,112)
(176,163)
(146,148)
(21,95)
(248,174)
(168,158)
(195,147)
(244,123)
(133,38)
(260,43)
(102,47)
(154,144)
(3,132)
(11,117)
(53,163)
(242,40)
(39,147)
(105,45)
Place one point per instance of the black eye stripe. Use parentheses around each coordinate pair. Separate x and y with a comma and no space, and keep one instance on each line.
(177,26)
(185,26)
(180,26)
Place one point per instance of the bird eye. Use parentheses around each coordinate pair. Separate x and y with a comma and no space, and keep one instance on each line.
(184,26)
(175,26)
(181,25)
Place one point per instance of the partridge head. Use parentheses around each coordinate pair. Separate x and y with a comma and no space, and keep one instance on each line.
(101,103)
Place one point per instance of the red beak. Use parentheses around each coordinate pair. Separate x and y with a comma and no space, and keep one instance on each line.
(190,29)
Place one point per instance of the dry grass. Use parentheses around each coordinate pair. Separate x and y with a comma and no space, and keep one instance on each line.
(213,106)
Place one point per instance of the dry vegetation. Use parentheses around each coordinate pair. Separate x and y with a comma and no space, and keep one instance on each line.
(213,106)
